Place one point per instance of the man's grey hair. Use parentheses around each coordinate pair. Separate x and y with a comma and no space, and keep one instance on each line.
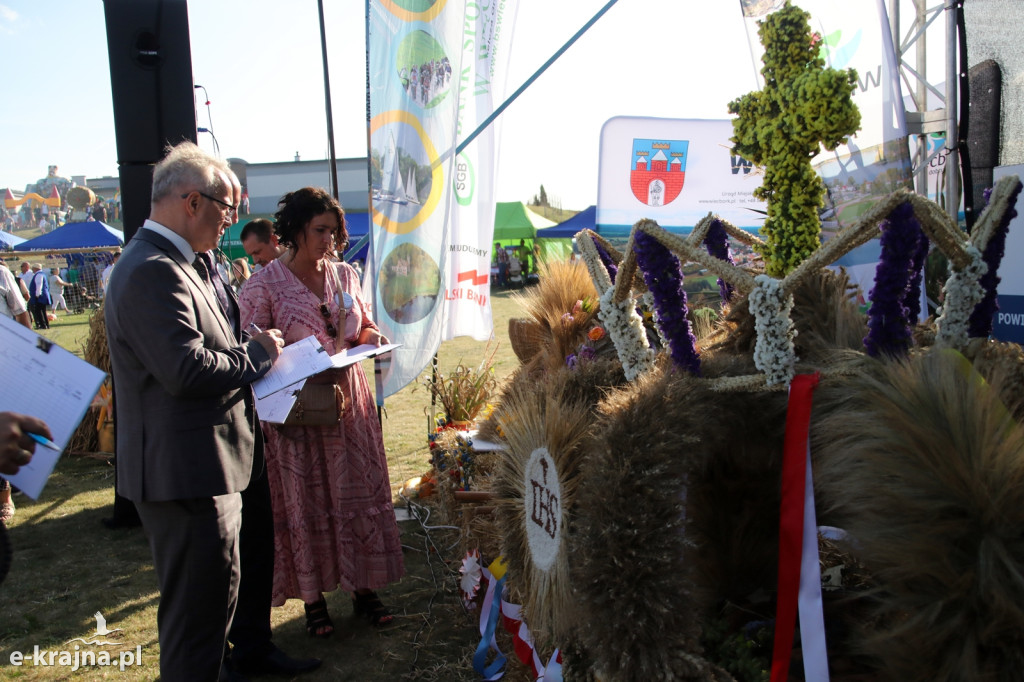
(187,168)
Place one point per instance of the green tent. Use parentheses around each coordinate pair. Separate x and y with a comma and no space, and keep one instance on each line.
(557,248)
(514,221)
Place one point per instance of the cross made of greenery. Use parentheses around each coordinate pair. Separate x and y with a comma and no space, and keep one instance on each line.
(781,127)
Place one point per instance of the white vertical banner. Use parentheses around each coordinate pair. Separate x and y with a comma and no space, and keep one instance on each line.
(414,57)
(432,67)
(876,161)
(482,85)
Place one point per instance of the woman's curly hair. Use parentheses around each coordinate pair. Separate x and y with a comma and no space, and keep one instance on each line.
(296,209)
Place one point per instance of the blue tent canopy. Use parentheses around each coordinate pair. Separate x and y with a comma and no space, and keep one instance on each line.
(587,218)
(92,234)
(9,241)
(358,225)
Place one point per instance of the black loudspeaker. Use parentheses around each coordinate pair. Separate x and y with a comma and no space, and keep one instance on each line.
(136,188)
(986,84)
(150,76)
(151,86)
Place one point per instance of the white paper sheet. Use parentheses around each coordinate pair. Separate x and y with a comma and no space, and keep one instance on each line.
(43,380)
(351,356)
(276,406)
(298,361)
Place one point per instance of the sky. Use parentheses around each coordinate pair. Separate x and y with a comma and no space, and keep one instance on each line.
(260,64)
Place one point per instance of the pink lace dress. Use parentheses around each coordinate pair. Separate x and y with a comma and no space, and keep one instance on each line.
(334,524)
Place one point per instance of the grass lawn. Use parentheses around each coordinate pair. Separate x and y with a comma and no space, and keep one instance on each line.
(67,566)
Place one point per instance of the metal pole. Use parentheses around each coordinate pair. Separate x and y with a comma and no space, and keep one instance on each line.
(369,118)
(921,96)
(327,100)
(952,107)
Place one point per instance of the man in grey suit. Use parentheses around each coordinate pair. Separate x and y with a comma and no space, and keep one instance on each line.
(187,431)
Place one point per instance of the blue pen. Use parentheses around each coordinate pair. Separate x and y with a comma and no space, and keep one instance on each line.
(44,441)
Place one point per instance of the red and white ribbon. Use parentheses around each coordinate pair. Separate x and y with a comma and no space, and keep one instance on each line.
(511,617)
(799,571)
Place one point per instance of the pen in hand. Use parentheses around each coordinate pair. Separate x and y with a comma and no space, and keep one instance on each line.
(253,328)
(44,441)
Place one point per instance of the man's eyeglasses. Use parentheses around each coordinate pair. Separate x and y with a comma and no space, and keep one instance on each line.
(231,210)
(327,320)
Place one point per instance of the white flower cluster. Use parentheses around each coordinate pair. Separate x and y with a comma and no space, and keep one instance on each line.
(595,266)
(963,293)
(626,328)
(647,303)
(774,353)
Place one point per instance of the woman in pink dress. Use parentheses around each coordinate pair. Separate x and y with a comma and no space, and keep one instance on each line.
(334,523)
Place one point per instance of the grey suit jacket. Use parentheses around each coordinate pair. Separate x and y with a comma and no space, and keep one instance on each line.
(186,422)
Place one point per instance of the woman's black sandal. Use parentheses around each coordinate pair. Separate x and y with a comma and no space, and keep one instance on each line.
(318,622)
(369,605)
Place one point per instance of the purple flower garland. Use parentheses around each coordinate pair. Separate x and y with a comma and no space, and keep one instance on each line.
(612,267)
(664,277)
(888,322)
(913,300)
(980,324)
(717,243)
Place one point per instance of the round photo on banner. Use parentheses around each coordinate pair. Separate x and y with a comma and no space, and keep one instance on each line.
(406,183)
(424,69)
(409,283)
(414,10)
(543,502)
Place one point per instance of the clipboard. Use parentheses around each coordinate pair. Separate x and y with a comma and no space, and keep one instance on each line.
(298,361)
(275,407)
(48,382)
(351,356)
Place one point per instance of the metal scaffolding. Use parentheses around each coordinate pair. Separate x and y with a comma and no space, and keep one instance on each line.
(921,89)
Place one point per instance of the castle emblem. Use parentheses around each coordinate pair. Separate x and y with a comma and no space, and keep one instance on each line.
(659,169)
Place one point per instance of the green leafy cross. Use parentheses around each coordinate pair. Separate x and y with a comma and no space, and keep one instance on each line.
(803,105)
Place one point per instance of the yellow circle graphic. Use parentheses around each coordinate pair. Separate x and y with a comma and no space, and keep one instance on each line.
(436,187)
(411,15)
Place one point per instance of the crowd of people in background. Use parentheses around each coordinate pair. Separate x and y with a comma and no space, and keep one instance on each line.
(47,219)
(75,286)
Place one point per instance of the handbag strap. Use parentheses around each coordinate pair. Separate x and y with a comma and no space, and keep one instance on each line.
(340,326)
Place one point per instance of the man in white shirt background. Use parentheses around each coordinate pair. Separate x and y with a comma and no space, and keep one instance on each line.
(105,277)
(26,275)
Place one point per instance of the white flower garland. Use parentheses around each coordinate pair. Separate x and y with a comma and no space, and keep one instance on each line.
(626,329)
(774,353)
(595,266)
(646,301)
(963,293)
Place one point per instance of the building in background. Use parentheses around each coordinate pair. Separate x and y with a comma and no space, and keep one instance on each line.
(268,182)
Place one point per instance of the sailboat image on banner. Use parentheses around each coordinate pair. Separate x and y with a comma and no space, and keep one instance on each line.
(392,188)
(411,193)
